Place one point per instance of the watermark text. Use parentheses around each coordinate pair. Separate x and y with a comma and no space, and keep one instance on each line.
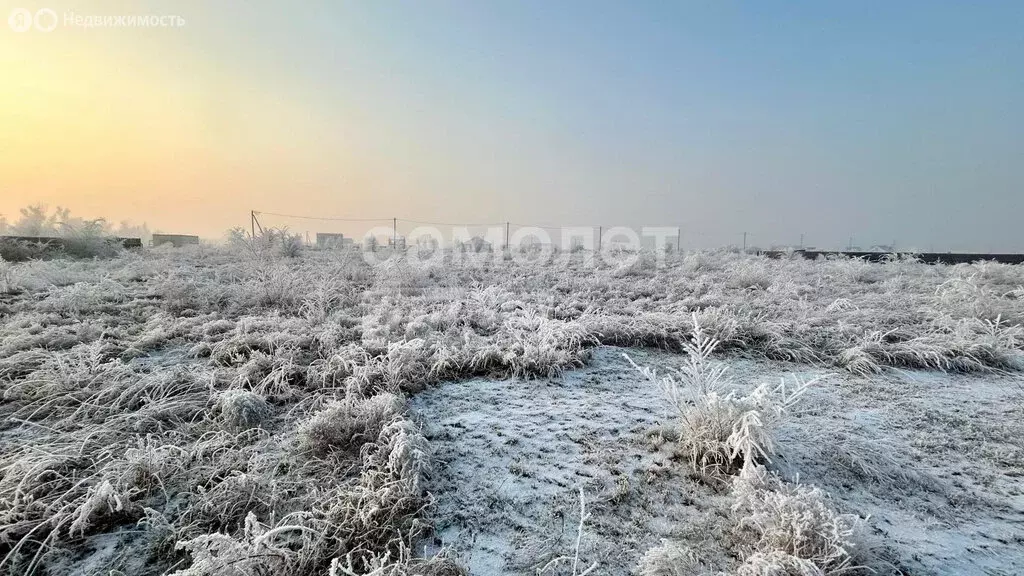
(47,20)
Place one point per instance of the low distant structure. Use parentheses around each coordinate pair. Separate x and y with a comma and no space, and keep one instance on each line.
(55,242)
(176,240)
(22,248)
(476,244)
(331,241)
(397,243)
(926,257)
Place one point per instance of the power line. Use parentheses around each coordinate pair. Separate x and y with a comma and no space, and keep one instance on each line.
(323,217)
(429,223)
(450,223)
(551,227)
(690,232)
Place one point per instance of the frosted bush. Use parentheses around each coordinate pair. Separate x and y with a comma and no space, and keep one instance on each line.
(101,500)
(671,559)
(777,564)
(400,454)
(718,324)
(230,500)
(859,271)
(82,297)
(964,296)
(750,274)
(329,292)
(720,430)
(260,549)
(702,262)
(863,359)
(242,410)
(276,376)
(348,424)
(792,519)
(331,372)
(404,565)
(634,265)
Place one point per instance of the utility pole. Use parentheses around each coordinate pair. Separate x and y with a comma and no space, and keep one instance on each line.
(255,223)
(801,240)
(679,239)
(394,234)
(744,242)
(506,236)
(600,237)
(849,247)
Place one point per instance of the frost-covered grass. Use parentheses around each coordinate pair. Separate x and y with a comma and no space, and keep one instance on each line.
(236,411)
(780,528)
(721,431)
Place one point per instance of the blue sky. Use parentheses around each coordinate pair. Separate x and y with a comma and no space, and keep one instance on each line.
(885,121)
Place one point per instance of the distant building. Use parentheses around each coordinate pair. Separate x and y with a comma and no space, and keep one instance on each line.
(176,240)
(328,240)
(476,244)
(396,243)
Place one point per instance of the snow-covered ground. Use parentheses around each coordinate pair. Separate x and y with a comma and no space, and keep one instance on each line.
(934,459)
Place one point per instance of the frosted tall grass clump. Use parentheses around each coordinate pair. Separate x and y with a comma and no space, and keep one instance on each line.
(780,529)
(790,528)
(777,564)
(258,549)
(242,410)
(671,559)
(720,430)
(347,425)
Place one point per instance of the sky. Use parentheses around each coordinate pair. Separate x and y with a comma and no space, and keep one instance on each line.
(881,121)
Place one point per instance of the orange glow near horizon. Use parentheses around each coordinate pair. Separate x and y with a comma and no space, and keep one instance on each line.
(159,137)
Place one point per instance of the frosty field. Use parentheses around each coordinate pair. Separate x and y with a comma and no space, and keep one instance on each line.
(235,411)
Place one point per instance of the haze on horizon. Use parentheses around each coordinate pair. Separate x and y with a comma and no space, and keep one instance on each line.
(883,121)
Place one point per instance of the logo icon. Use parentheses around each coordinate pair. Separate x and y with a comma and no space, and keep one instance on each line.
(21,19)
(46,20)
